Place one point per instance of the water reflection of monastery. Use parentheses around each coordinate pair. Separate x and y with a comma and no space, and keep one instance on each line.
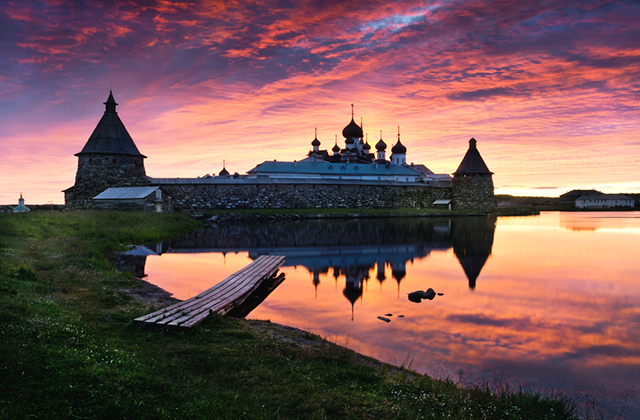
(350,248)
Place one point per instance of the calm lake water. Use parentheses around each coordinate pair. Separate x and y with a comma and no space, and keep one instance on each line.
(552,299)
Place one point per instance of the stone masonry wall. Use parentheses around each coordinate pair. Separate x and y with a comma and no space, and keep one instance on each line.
(255,196)
(474,192)
(96,173)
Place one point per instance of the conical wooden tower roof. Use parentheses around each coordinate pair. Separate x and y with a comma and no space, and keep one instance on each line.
(110,135)
(472,163)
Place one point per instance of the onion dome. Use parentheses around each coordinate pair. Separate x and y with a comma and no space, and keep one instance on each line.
(316,142)
(352,130)
(335,148)
(366,146)
(398,148)
(381,145)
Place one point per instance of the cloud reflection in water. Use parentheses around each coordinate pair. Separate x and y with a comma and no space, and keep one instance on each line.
(533,298)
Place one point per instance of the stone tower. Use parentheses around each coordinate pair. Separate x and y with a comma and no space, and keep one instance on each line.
(110,158)
(473,182)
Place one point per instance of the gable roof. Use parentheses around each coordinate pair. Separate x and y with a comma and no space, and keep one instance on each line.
(110,135)
(602,196)
(472,162)
(579,193)
(123,193)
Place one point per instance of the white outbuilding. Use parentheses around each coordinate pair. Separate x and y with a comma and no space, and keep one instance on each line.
(600,200)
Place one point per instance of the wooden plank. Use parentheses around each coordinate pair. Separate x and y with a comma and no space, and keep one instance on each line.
(227,291)
(257,267)
(217,290)
(221,304)
(220,298)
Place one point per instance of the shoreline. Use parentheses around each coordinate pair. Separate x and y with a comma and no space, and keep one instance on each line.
(268,217)
(156,297)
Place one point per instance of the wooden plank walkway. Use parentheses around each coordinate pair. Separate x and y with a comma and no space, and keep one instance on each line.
(221,298)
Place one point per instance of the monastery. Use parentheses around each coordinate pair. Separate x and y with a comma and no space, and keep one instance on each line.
(111,175)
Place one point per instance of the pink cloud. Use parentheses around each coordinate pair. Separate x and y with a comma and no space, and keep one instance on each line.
(532,83)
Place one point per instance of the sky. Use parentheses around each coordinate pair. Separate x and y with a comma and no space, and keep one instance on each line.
(549,89)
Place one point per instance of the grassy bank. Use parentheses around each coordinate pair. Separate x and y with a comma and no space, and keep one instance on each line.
(68,348)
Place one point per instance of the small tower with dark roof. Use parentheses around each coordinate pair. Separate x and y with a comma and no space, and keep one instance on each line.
(336,149)
(381,148)
(399,152)
(224,171)
(366,149)
(352,133)
(473,182)
(110,158)
(316,143)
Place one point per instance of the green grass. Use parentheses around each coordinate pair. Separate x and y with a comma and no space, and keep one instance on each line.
(69,349)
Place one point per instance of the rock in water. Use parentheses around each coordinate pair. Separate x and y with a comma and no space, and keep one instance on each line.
(416,296)
(381,318)
(429,294)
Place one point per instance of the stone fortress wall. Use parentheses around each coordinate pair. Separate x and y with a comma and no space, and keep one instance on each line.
(244,195)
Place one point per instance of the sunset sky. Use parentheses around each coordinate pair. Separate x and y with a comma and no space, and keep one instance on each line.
(550,89)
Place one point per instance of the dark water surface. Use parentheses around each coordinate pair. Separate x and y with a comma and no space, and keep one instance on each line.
(551,299)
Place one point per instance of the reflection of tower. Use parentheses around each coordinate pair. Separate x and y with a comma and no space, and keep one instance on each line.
(472,239)
(380,272)
(398,272)
(353,286)
(316,281)
(366,276)
(336,274)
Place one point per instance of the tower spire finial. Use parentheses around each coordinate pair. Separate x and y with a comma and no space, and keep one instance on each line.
(316,132)
(351,111)
(110,105)
(398,133)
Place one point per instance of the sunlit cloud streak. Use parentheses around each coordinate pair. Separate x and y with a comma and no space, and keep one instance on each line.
(548,89)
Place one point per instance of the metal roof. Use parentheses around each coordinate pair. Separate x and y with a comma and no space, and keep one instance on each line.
(442,201)
(602,196)
(110,135)
(265,180)
(123,193)
(332,168)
